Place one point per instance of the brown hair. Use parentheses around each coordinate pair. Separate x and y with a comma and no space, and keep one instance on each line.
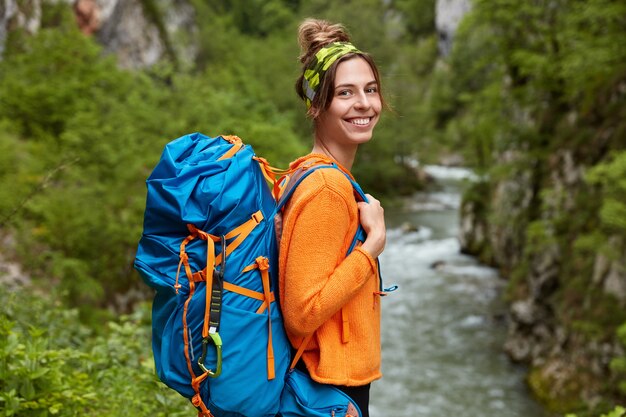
(313,35)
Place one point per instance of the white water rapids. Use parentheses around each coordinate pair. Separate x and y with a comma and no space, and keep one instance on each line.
(444,328)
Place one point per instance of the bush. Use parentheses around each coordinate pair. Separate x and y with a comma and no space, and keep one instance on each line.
(50,364)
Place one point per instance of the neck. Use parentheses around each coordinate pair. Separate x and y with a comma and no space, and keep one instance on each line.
(343,154)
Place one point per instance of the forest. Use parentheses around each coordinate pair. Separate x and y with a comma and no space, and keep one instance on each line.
(531,97)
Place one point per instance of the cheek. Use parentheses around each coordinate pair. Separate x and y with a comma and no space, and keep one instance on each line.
(337,107)
(377,104)
(337,113)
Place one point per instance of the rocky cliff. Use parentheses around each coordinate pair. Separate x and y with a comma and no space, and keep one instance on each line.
(138,32)
(565,302)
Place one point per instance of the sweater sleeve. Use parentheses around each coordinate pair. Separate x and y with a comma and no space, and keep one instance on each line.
(319,278)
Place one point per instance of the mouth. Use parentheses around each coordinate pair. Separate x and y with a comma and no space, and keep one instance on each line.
(360,121)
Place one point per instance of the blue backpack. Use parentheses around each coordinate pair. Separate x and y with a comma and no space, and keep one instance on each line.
(209,249)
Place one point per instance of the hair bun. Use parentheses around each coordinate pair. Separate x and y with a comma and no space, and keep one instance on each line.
(313,34)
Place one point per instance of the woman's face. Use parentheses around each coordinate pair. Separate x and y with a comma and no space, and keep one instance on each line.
(355,107)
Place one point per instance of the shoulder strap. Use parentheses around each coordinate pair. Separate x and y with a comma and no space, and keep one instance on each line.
(296,178)
(301,173)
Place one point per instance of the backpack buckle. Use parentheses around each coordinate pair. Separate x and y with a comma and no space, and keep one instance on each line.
(257,217)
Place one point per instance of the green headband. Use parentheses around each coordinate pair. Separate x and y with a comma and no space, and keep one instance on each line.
(315,72)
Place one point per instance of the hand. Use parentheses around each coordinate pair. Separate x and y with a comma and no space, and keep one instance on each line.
(372,217)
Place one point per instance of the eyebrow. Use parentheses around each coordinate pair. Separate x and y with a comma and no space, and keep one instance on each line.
(353,85)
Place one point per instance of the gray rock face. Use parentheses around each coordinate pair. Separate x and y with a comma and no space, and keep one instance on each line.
(531,334)
(472,230)
(179,18)
(499,226)
(138,37)
(544,273)
(511,200)
(610,274)
(448,15)
(565,176)
(126,32)
(494,229)
(615,282)
(534,335)
(12,274)
(14,14)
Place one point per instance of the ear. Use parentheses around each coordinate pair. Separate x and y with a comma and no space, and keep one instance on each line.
(314,113)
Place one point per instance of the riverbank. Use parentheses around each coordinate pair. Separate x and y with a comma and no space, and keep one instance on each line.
(565,285)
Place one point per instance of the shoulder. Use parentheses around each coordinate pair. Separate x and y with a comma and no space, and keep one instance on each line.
(326,180)
(322,189)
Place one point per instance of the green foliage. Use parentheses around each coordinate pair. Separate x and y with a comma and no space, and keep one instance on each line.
(258,17)
(610,176)
(533,94)
(42,108)
(364,20)
(561,402)
(407,129)
(592,32)
(618,411)
(80,127)
(618,365)
(475,201)
(419,16)
(79,136)
(51,364)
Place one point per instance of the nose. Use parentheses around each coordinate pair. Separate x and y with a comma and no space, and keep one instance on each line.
(363,101)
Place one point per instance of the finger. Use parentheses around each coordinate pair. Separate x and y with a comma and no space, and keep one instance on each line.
(371,198)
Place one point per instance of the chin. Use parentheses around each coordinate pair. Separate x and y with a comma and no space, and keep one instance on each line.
(359,137)
(363,139)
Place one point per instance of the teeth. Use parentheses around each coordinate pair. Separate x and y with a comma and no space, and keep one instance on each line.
(361,122)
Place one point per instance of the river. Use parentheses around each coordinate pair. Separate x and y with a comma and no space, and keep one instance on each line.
(443,329)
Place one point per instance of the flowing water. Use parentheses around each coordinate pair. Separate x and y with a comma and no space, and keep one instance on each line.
(444,328)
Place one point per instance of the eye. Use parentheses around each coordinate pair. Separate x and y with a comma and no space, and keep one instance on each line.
(344,93)
(371,90)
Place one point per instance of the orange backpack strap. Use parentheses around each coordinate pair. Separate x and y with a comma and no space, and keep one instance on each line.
(237,145)
(184,260)
(301,350)
(262,264)
(280,178)
(239,234)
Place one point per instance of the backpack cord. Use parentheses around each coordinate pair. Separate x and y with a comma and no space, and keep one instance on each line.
(184,260)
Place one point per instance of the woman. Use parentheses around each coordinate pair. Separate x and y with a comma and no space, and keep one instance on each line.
(324,292)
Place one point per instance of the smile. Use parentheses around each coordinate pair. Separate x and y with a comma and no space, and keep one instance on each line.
(363,121)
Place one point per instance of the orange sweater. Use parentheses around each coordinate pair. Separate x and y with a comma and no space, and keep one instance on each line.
(317,281)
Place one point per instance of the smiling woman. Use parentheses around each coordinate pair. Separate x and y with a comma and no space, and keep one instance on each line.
(329,290)
(353,113)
